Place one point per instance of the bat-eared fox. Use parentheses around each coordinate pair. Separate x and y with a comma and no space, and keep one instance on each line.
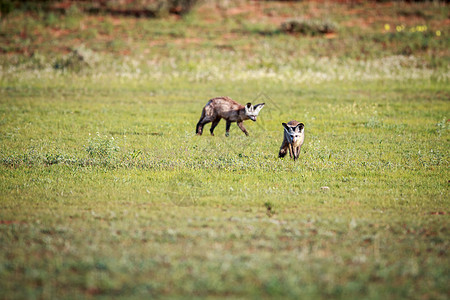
(294,136)
(228,109)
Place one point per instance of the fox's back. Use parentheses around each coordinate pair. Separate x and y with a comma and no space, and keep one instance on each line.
(224,107)
(224,104)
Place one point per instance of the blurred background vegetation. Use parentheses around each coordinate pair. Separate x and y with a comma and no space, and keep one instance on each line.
(345,29)
(140,8)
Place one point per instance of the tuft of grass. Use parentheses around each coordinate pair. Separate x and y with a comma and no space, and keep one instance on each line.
(102,147)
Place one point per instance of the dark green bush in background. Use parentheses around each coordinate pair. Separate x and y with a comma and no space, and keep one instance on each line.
(142,8)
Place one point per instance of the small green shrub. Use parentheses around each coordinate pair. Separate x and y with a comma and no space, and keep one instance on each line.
(6,7)
(308,27)
(51,19)
(79,59)
(181,6)
(102,147)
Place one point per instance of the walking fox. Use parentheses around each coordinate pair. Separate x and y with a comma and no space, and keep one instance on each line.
(230,110)
(294,136)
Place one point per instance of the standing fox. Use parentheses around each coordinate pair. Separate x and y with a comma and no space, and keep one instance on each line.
(230,110)
(294,136)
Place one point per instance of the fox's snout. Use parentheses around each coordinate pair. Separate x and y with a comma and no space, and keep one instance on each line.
(253,118)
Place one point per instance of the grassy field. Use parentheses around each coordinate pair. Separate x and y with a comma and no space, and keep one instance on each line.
(106,191)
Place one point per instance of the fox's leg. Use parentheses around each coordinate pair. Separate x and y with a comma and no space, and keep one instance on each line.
(227,128)
(291,150)
(200,125)
(283,149)
(206,117)
(297,152)
(198,129)
(214,124)
(241,126)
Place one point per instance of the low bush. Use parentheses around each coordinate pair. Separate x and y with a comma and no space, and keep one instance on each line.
(145,8)
(79,59)
(308,27)
(102,147)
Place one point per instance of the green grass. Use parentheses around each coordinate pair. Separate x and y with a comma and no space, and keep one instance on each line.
(159,211)
(106,191)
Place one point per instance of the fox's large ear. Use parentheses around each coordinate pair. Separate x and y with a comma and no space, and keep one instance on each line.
(258,107)
(285,125)
(300,126)
(248,108)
